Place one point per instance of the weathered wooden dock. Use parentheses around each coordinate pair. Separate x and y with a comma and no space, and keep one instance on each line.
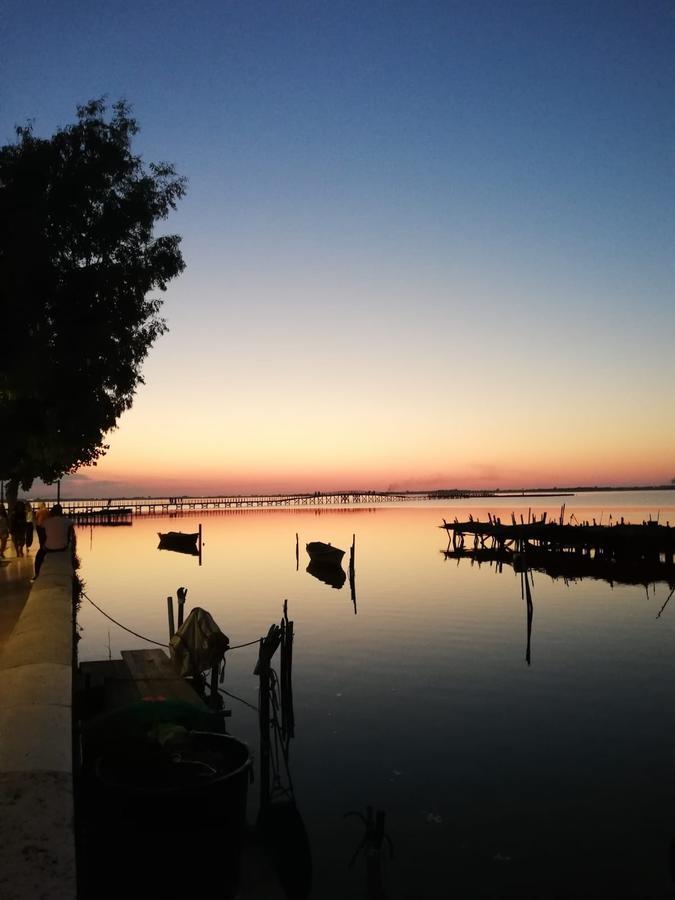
(100,515)
(131,833)
(619,552)
(188,833)
(112,684)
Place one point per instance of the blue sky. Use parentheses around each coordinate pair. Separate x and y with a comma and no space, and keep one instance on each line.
(425,242)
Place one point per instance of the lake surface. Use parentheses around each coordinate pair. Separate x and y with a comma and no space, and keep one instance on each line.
(498,778)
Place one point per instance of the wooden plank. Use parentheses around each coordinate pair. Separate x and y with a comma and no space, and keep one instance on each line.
(99,670)
(109,685)
(155,676)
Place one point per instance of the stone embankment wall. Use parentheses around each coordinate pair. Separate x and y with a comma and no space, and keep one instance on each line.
(37,841)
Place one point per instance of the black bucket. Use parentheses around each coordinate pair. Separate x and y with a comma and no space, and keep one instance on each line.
(175,816)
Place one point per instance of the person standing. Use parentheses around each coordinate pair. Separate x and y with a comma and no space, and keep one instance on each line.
(59,534)
(4,529)
(17,525)
(28,510)
(41,513)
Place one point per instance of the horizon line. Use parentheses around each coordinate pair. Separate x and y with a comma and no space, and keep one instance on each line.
(426,492)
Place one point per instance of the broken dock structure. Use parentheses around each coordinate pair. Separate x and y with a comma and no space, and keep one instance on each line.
(644,548)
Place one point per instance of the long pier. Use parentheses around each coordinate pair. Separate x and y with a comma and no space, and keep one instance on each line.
(121,511)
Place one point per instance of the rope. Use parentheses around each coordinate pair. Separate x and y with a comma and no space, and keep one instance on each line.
(249,644)
(124,627)
(158,643)
(240,699)
(280,742)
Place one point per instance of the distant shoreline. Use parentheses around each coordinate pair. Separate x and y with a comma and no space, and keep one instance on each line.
(583,490)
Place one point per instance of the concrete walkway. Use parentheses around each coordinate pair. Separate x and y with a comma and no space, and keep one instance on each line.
(37,845)
(15,585)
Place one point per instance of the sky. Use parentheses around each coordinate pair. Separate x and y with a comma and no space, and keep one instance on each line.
(428,244)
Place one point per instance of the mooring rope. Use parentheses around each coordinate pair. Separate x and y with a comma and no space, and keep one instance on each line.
(150,640)
(248,644)
(240,699)
(124,627)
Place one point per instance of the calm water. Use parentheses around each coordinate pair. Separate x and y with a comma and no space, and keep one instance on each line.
(498,779)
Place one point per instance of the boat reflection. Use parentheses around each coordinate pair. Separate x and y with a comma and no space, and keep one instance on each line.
(330,573)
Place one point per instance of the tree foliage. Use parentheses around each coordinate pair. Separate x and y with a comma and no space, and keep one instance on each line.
(79,264)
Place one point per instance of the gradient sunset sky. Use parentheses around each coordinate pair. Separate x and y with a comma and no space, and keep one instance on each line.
(427,244)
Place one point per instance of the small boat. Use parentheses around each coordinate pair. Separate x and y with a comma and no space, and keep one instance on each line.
(179,541)
(324,553)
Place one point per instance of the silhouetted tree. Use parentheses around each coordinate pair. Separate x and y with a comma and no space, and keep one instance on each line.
(78,261)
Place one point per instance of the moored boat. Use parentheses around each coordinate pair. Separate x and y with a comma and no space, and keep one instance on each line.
(324,553)
(180,541)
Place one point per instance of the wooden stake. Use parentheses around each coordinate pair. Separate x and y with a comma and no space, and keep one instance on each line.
(215,696)
(169,606)
(264,723)
(180,593)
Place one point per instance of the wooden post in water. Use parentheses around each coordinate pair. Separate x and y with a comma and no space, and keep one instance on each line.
(352,571)
(297,552)
(214,696)
(200,543)
(169,606)
(530,614)
(263,671)
(181,594)
(286,676)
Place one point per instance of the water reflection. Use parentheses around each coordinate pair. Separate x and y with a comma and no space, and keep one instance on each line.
(526,594)
(572,567)
(372,847)
(329,573)
(498,772)
(279,822)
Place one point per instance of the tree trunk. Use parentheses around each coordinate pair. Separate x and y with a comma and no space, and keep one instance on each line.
(11,493)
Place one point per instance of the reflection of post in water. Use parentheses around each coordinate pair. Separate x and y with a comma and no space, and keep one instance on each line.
(372,847)
(658,615)
(527,596)
(352,571)
(279,822)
